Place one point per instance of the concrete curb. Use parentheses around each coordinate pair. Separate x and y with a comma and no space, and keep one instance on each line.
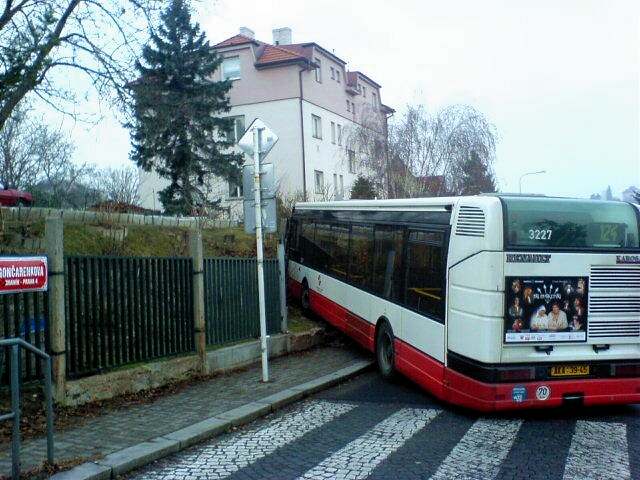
(139,455)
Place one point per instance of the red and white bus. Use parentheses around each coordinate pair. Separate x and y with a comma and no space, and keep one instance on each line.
(489,302)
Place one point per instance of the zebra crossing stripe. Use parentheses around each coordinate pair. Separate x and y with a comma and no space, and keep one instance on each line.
(598,450)
(358,458)
(481,451)
(221,459)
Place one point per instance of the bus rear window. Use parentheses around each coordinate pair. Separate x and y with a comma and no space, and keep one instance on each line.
(568,223)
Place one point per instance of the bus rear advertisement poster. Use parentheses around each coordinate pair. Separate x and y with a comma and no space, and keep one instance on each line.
(546,309)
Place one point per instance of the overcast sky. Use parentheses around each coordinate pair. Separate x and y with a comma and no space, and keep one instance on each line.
(560,80)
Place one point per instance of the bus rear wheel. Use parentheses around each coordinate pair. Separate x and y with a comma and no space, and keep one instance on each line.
(385,352)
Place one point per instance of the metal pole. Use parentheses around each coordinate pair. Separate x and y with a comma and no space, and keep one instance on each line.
(15,407)
(49,406)
(260,260)
(282,276)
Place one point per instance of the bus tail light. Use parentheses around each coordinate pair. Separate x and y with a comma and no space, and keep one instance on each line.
(626,370)
(517,374)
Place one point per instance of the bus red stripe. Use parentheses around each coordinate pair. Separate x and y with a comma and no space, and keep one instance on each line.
(451,386)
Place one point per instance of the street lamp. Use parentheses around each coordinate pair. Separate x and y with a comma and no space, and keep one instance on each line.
(525,174)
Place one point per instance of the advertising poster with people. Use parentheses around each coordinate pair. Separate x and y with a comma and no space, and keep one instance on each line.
(546,309)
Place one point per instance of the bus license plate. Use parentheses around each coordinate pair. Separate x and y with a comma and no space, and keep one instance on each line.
(569,370)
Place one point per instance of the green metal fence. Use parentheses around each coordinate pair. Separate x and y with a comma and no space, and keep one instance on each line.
(231,299)
(122,310)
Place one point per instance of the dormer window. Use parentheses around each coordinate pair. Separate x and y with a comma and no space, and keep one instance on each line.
(338,76)
(231,68)
(364,91)
(348,106)
(333,73)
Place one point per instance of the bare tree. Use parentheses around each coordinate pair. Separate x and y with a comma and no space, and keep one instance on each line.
(99,38)
(18,157)
(120,185)
(36,157)
(442,154)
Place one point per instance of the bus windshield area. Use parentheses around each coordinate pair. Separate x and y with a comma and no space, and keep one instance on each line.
(554,223)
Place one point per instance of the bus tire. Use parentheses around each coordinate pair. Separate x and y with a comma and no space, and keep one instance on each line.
(385,351)
(304,298)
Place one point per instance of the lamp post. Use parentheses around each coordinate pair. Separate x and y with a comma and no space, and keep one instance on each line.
(524,175)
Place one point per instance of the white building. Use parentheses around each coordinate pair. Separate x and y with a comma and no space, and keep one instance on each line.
(311,101)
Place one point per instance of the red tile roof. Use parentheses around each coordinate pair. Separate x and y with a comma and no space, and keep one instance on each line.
(238,39)
(277,54)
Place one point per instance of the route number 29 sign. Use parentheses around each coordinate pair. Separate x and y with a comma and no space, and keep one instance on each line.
(23,274)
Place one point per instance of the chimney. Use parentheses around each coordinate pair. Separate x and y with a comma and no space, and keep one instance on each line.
(247,32)
(282,36)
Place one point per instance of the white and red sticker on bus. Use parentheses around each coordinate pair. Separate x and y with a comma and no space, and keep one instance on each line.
(23,274)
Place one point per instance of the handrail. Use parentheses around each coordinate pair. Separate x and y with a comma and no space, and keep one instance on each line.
(19,341)
(15,344)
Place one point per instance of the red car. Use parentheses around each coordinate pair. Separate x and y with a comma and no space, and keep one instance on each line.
(10,197)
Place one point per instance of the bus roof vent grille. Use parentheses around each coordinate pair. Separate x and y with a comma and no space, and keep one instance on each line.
(471,222)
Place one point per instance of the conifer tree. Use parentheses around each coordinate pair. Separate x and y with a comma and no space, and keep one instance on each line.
(176,130)
(363,189)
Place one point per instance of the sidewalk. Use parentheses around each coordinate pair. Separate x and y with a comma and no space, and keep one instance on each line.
(119,429)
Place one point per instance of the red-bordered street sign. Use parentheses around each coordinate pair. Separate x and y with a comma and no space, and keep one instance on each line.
(23,274)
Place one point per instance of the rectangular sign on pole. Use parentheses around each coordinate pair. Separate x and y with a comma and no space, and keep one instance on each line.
(23,274)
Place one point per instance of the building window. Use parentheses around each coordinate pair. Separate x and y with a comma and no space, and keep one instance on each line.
(333,73)
(348,106)
(237,129)
(374,99)
(316,124)
(338,75)
(231,68)
(235,189)
(319,179)
(339,134)
(364,91)
(353,108)
(318,70)
(333,132)
(341,186)
(335,184)
(352,161)
(235,186)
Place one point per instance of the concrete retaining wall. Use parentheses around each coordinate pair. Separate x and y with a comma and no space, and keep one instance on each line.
(156,374)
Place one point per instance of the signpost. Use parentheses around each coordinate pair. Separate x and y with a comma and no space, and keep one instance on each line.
(257,142)
(23,274)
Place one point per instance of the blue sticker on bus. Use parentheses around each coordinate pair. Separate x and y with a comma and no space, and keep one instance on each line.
(519,394)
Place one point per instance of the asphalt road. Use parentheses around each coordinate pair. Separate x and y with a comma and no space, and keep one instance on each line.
(367,428)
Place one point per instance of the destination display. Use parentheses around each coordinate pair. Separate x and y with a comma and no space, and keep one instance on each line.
(23,274)
(546,309)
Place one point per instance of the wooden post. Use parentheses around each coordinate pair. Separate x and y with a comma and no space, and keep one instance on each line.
(195,245)
(54,236)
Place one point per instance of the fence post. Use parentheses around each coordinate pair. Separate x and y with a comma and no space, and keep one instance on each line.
(195,246)
(282,277)
(53,235)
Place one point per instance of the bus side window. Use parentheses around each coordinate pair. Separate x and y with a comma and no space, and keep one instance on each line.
(387,269)
(293,248)
(360,256)
(323,247)
(425,287)
(307,239)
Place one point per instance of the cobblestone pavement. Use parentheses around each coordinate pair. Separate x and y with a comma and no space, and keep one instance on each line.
(367,428)
(129,426)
